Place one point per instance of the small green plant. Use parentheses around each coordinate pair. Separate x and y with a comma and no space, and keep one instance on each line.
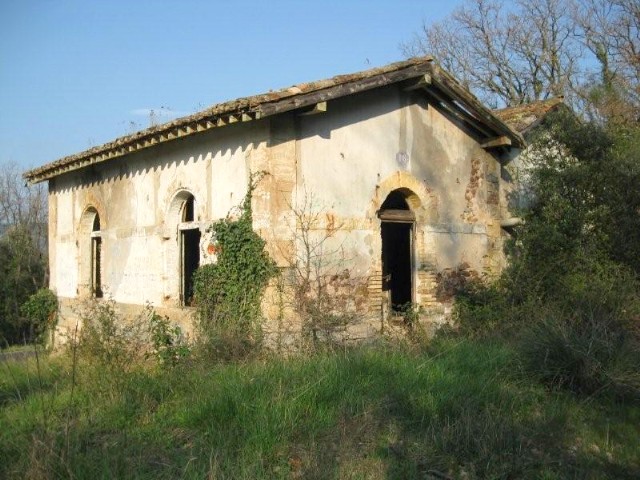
(41,310)
(108,340)
(228,293)
(169,344)
(480,307)
(410,313)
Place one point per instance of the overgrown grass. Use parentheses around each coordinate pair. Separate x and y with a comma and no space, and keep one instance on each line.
(460,408)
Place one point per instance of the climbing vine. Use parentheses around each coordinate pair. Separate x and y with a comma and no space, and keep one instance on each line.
(228,293)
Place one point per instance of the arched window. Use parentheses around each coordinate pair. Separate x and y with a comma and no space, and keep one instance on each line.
(90,254)
(96,258)
(182,215)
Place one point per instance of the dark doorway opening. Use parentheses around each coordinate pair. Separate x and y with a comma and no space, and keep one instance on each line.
(396,262)
(397,249)
(190,261)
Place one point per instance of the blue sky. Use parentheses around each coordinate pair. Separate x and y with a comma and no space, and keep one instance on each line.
(75,74)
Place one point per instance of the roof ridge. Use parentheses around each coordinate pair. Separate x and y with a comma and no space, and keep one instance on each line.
(522,118)
(552,100)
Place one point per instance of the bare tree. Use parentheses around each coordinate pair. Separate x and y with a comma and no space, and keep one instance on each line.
(507,55)
(610,30)
(320,285)
(23,205)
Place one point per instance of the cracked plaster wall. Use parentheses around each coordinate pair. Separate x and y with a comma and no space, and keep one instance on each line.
(340,165)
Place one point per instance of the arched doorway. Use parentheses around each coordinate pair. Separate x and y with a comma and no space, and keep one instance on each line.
(396,230)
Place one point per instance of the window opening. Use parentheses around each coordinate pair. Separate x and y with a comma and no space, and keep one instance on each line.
(189,238)
(187,209)
(96,258)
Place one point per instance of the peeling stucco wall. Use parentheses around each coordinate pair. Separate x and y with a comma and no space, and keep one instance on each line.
(337,167)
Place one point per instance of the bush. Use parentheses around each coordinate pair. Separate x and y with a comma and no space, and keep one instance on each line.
(108,340)
(481,307)
(41,311)
(169,345)
(586,338)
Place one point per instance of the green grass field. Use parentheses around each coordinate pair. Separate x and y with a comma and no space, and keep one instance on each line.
(457,409)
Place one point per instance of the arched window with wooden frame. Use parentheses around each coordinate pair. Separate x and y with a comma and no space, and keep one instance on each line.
(96,258)
(90,246)
(189,238)
(185,252)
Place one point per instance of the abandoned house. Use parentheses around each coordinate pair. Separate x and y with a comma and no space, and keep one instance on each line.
(403,172)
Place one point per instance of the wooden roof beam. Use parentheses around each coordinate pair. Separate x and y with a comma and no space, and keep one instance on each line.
(495,142)
(460,115)
(320,107)
(420,83)
(305,99)
(448,85)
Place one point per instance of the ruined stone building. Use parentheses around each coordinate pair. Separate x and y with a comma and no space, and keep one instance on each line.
(404,172)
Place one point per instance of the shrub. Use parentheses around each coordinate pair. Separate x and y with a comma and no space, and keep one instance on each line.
(481,307)
(586,338)
(108,340)
(41,310)
(169,345)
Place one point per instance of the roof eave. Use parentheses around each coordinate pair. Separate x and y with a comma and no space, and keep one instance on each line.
(473,107)
(262,106)
(240,110)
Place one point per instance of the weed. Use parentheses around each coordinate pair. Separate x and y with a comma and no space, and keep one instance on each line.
(108,340)
(168,343)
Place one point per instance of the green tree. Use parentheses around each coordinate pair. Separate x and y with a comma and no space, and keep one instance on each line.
(22,270)
(570,297)
(585,181)
(23,246)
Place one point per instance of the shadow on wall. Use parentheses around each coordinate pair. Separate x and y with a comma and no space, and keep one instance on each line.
(192,149)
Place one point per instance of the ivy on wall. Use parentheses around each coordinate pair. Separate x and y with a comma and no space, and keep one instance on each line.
(228,293)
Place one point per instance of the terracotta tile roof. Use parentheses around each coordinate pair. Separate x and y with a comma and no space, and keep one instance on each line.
(295,97)
(525,117)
